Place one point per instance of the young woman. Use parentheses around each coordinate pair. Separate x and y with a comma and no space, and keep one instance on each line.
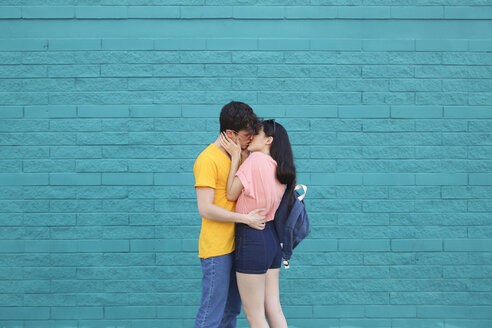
(260,182)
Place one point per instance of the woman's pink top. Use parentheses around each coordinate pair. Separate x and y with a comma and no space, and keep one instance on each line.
(261,189)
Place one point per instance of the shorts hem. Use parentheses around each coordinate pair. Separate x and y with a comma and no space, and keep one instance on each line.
(251,271)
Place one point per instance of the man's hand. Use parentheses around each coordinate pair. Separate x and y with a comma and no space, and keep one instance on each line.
(255,220)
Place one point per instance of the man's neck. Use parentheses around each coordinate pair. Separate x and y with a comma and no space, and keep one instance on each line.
(217,143)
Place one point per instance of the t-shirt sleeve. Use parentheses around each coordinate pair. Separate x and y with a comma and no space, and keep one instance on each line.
(205,171)
(246,172)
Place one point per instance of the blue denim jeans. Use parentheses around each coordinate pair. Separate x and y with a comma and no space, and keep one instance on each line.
(221,303)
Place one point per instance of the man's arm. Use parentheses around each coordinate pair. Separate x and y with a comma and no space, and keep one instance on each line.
(205,199)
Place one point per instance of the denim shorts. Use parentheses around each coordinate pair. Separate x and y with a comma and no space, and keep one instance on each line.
(257,250)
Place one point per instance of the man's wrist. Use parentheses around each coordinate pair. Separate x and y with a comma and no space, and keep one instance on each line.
(241,218)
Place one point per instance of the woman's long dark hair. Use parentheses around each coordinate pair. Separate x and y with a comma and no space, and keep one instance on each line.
(281,152)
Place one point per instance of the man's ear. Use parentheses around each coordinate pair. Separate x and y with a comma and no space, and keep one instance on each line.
(230,134)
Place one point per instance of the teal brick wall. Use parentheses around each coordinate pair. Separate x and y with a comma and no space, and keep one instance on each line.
(105,104)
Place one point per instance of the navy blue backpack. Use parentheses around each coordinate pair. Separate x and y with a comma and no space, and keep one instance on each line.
(292,225)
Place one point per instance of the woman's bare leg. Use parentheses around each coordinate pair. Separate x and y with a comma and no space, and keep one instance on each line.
(252,290)
(273,308)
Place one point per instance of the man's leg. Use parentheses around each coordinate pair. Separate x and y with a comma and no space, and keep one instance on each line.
(215,287)
(233,305)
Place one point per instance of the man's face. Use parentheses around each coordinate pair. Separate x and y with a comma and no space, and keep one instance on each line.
(243,137)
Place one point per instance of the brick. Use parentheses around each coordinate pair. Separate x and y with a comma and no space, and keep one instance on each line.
(338,311)
(468,245)
(468,12)
(336,44)
(441,45)
(50,111)
(204,57)
(363,111)
(77,313)
(127,44)
(127,178)
(387,71)
(391,311)
(482,152)
(74,71)
(363,12)
(388,206)
(409,245)
(468,271)
(283,44)
(101,12)
(10,12)
(389,179)
(147,84)
(24,125)
(369,245)
(469,323)
(232,44)
(22,313)
(153,12)
(195,12)
(102,138)
(43,12)
(75,179)
(415,85)
(413,12)
(179,44)
(388,45)
(417,323)
(480,45)
(11,112)
(467,112)
(133,312)
(22,71)
(103,111)
(172,179)
(23,45)
(310,12)
(480,179)
(71,44)
(20,179)
(441,179)
(127,70)
(257,57)
(253,12)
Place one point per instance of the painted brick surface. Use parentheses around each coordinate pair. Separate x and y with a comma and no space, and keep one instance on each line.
(104,106)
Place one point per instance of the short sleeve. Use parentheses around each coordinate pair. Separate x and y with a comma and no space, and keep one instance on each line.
(205,171)
(245,174)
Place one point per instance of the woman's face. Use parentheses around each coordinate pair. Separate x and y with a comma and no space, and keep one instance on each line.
(260,142)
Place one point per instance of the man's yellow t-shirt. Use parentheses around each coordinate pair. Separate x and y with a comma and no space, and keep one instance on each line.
(211,170)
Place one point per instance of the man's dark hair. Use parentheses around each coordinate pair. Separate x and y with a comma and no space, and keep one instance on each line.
(237,116)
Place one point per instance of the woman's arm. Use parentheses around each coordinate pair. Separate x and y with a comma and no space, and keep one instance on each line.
(234,185)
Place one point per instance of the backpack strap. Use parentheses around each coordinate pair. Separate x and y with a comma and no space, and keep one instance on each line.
(304,187)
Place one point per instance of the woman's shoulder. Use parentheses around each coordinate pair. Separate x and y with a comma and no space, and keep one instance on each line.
(260,157)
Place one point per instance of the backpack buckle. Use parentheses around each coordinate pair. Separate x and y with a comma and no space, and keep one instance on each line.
(286,264)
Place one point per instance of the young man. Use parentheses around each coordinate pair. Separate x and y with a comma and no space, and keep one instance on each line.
(220,302)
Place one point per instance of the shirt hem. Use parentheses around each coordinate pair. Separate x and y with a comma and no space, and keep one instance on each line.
(215,255)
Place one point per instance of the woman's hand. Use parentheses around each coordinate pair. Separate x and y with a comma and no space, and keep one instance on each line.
(234,149)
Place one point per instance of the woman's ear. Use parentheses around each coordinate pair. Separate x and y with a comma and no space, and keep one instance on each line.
(269,140)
